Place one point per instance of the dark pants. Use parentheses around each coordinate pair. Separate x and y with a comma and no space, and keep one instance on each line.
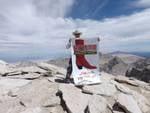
(69,69)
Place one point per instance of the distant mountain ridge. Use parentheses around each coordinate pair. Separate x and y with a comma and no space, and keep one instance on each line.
(119,52)
(141,54)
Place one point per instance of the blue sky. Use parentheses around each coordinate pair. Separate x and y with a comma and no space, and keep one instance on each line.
(101,9)
(41,28)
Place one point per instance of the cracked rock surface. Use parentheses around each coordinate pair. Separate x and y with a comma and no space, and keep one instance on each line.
(38,87)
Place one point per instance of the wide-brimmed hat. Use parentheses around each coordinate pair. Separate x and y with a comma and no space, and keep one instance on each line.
(76,32)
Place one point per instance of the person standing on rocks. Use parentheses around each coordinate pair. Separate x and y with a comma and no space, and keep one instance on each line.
(80,58)
(77,35)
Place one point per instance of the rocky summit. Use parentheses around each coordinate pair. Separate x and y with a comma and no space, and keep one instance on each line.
(140,70)
(38,87)
(115,66)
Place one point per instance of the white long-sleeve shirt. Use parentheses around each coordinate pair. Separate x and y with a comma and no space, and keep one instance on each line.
(68,44)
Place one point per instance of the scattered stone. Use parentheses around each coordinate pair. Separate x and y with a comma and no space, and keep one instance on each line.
(56,109)
(31,69)
(121,88)
(34,110)
(12,83)
(105,77)
(39,93)
(98,104)
(29,76)
(104,89)
(7,85)
(74,99)
(128,103)
(13,73)
(142,102)
(117,112)
(52,68)
(122,79)
(56,78)
(24,70)
(10,105)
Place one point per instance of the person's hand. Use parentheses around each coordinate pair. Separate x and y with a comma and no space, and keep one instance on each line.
(68,44)
(69,40)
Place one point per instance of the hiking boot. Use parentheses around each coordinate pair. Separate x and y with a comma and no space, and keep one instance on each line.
(67,80)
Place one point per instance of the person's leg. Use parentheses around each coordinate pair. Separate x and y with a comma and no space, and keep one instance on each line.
(69,69)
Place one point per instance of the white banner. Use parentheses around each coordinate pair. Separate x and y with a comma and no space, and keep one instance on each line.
(85,61)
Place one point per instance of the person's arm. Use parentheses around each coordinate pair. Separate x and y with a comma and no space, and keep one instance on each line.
(98,39)
(68,44)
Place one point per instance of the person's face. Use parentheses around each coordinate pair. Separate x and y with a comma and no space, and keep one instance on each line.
(77,35)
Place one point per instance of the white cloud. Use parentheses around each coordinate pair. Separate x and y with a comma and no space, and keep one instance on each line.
(29,21)
(142,3)
(28,26)
(117,32)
